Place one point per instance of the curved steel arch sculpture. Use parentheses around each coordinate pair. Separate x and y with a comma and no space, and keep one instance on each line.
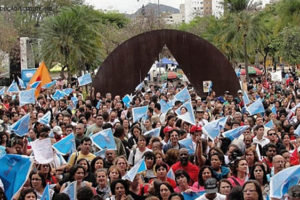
(130,62)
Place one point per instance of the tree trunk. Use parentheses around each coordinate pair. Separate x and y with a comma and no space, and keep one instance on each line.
(62,74)
(246,58)
(265,67)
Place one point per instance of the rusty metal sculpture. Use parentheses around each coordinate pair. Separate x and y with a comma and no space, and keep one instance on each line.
(130,62)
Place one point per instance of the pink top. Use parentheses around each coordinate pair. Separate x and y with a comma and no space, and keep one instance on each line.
(177,189)
(199,188)
(240,181)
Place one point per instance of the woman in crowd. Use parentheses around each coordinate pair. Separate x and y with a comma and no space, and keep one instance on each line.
(149,173)
(159,157)
(28,194)
(97,163)
(225,187)
(114,173)
(219,170)
(182,180)
(136,131)
(90,177)
(258,173)
(161,171)
(204,173)
(252,191)
(165,191)
(45,169)
(136,188)
(251,157)
(38,183)
(239,172)
(286,141)
(122,164)
(136,154)
(77,173)
(120,190)
(102,188)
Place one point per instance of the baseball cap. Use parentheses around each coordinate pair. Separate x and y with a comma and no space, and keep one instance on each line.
(57,129)
(167,129)
(199,109)
(239,91)
(211,186)
(195,128)
(294,191)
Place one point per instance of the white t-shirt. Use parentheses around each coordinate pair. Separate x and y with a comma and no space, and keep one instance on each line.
(218,197)
(137,157)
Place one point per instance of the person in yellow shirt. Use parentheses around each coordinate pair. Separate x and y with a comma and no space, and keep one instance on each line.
(83,153)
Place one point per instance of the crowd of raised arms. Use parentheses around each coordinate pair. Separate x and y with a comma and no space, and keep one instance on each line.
(217,168)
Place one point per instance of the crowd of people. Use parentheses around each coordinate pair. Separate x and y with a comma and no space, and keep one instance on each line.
(219,169)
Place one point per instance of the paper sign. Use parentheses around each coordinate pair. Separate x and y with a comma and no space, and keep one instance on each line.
(42,150)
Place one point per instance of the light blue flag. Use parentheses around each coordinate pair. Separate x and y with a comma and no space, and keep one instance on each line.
(188,144)
(153,132)
(27,97)
(256,107)
(21,83)
(100,153)
(21,126)
(46,193)
(163,87)
(270,124)
(66,145)
(49,85)
(246,98)
(183,95)
(235,133)
(35,84)
(2,91)
(126,100)
(46,118)
(98,104)
(2,151)
(13,87)
(297,131)
(68,91)
(283,180)
(188,117)
(74,101)
(165,107)
(192,195)
(71,190)
(14,171)
(171,174)
(139,112)
(213,128)
(85,79)
(137,168)
(140,86)
(58,95)
(273,109)
(51,134)
(104,139)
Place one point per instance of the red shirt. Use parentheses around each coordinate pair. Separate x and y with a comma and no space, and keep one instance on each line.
(191,169)
(269,163)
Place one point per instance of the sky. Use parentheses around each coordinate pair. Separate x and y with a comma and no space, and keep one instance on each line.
(129,6)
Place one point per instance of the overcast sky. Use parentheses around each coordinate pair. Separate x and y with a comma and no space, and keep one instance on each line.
(129,6)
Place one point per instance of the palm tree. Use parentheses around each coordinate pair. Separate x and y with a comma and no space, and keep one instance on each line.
(241,31)
(72,39)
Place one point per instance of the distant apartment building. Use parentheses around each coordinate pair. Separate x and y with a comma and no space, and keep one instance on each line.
(202,8)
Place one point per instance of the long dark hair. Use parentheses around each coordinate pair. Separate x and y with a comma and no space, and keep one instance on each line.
(265,180)
(200,177)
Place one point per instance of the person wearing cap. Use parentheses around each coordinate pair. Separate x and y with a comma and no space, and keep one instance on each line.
(57,133)
(294,193)
(211,191)
(199,117)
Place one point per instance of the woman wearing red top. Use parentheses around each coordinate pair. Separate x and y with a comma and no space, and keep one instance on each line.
(45,170)
(239,172)
(161,171)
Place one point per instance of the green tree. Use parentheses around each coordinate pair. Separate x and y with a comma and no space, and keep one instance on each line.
(289,45)
(72,38)
(241,31)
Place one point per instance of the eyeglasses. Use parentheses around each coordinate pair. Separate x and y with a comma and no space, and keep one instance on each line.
(270,134)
